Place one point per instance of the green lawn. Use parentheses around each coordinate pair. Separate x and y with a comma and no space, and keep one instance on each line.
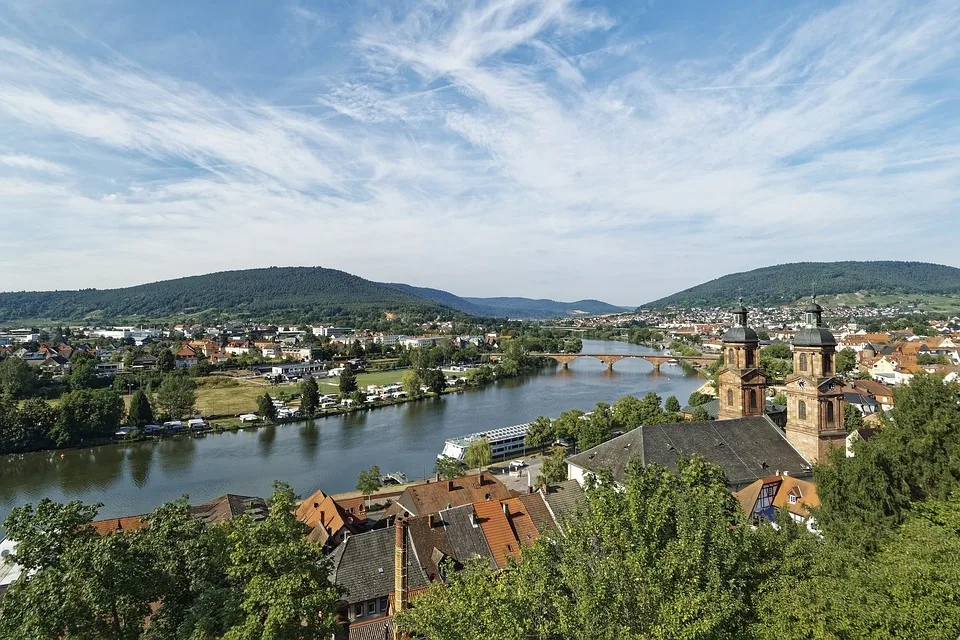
(379,378)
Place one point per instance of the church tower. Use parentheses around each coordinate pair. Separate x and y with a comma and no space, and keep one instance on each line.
(742,385)
(814,393)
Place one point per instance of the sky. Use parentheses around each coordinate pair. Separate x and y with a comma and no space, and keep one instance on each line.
(554,148)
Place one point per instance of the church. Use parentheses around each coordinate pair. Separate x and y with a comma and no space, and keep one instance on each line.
(744,441)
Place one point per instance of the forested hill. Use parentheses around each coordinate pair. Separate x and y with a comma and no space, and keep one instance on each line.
(290,294)
(511,307)
(787,283)
(296,293)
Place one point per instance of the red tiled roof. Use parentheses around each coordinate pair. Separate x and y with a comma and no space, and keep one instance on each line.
(433,497)
(498,532)
(111,526)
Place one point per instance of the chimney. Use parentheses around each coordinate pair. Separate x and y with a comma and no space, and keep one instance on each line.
(481,478)
(530,488)
(438,477)
(430,520)
(400,567)
(506,510)
(449,485)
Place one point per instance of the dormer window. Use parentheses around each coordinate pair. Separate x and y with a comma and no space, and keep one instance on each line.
(793,499)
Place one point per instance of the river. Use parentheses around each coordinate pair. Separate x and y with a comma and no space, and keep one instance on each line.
(131,479)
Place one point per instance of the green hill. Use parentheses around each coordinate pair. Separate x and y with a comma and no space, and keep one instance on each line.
(290,294)
(293,293)
(787,283)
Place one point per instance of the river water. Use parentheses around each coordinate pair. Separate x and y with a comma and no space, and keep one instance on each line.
(131,479)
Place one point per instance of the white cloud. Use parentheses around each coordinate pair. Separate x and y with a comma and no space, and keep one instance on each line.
(32,163)
(506,147)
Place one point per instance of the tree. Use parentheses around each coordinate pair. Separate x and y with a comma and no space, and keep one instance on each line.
(17,378)
(86,414)
(309,397)
(672,404)
(568,425)
(166,361)
(449,468)
(369,481)
(598,427)
(281,578)
(348,380)
(852,418)
(140,412)
(846,360)
(671,549)
(83,370)
(479,453)
(435,380)
(176,396)
(697,398)
(411,383)
(540,432)
(553,469)
(700,414)
(779,350)
(268,411)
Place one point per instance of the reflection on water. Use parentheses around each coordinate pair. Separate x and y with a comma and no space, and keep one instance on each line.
(134,478)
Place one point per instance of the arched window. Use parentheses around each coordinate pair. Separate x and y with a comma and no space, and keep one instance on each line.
(753,398)
(731,357)
(826,364)
(830,417)
(730,397)
(749,357)
(802,410)
(803,362)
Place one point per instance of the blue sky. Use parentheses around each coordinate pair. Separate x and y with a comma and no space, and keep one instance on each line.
(617,150)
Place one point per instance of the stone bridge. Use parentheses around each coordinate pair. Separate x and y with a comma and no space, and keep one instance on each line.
(610,359)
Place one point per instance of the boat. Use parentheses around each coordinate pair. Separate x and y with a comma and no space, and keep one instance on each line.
(503,441)
(152,430)
(173,426)
(127,432)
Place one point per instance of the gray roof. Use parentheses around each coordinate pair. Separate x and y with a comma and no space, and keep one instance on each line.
(466,540)
(375,630)
(740,334)
(363,565)
(814,337)
(853,397)
(563,498)
(747,449)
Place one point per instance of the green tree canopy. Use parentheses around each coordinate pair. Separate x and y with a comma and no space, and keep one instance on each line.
(309,397)
(846,360)
(348,380)
(140,412)
(449,468)
(435,380)
(672,404)
(176,396)
(17,378)
(479,453)
(266,407)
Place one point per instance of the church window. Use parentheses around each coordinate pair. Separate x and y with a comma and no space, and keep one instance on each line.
(731,357)
(730,397)
(803,362)
(753,398)
(830,413)
(802,410)
(826,364)
(749,357)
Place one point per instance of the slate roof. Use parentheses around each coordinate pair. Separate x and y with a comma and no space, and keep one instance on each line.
(814,337)
(466,540)
(426,498)
(363,565)
(429,536)
(563,498)
(380,629)
(747,449)
(740,334)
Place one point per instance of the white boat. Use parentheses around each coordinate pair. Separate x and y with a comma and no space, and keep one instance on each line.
(503,441)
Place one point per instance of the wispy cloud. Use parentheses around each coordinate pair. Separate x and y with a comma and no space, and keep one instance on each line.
(460,144)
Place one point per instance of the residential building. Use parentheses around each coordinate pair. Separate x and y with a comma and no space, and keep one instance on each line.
(855,436)
(762,499)
(329,522)
(432,497)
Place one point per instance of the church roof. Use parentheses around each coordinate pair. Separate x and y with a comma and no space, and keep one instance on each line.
(814,337)
(740,334)
(747,449)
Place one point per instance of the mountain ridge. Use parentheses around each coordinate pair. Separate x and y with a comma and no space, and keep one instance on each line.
(312,293)
(787,283)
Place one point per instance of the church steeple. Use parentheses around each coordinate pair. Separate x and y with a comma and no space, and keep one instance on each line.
(742,386)
(814,393)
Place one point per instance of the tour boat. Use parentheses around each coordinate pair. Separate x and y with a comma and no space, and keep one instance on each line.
(503,441)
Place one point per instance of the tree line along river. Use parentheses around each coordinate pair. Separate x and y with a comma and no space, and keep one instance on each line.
(327,453)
